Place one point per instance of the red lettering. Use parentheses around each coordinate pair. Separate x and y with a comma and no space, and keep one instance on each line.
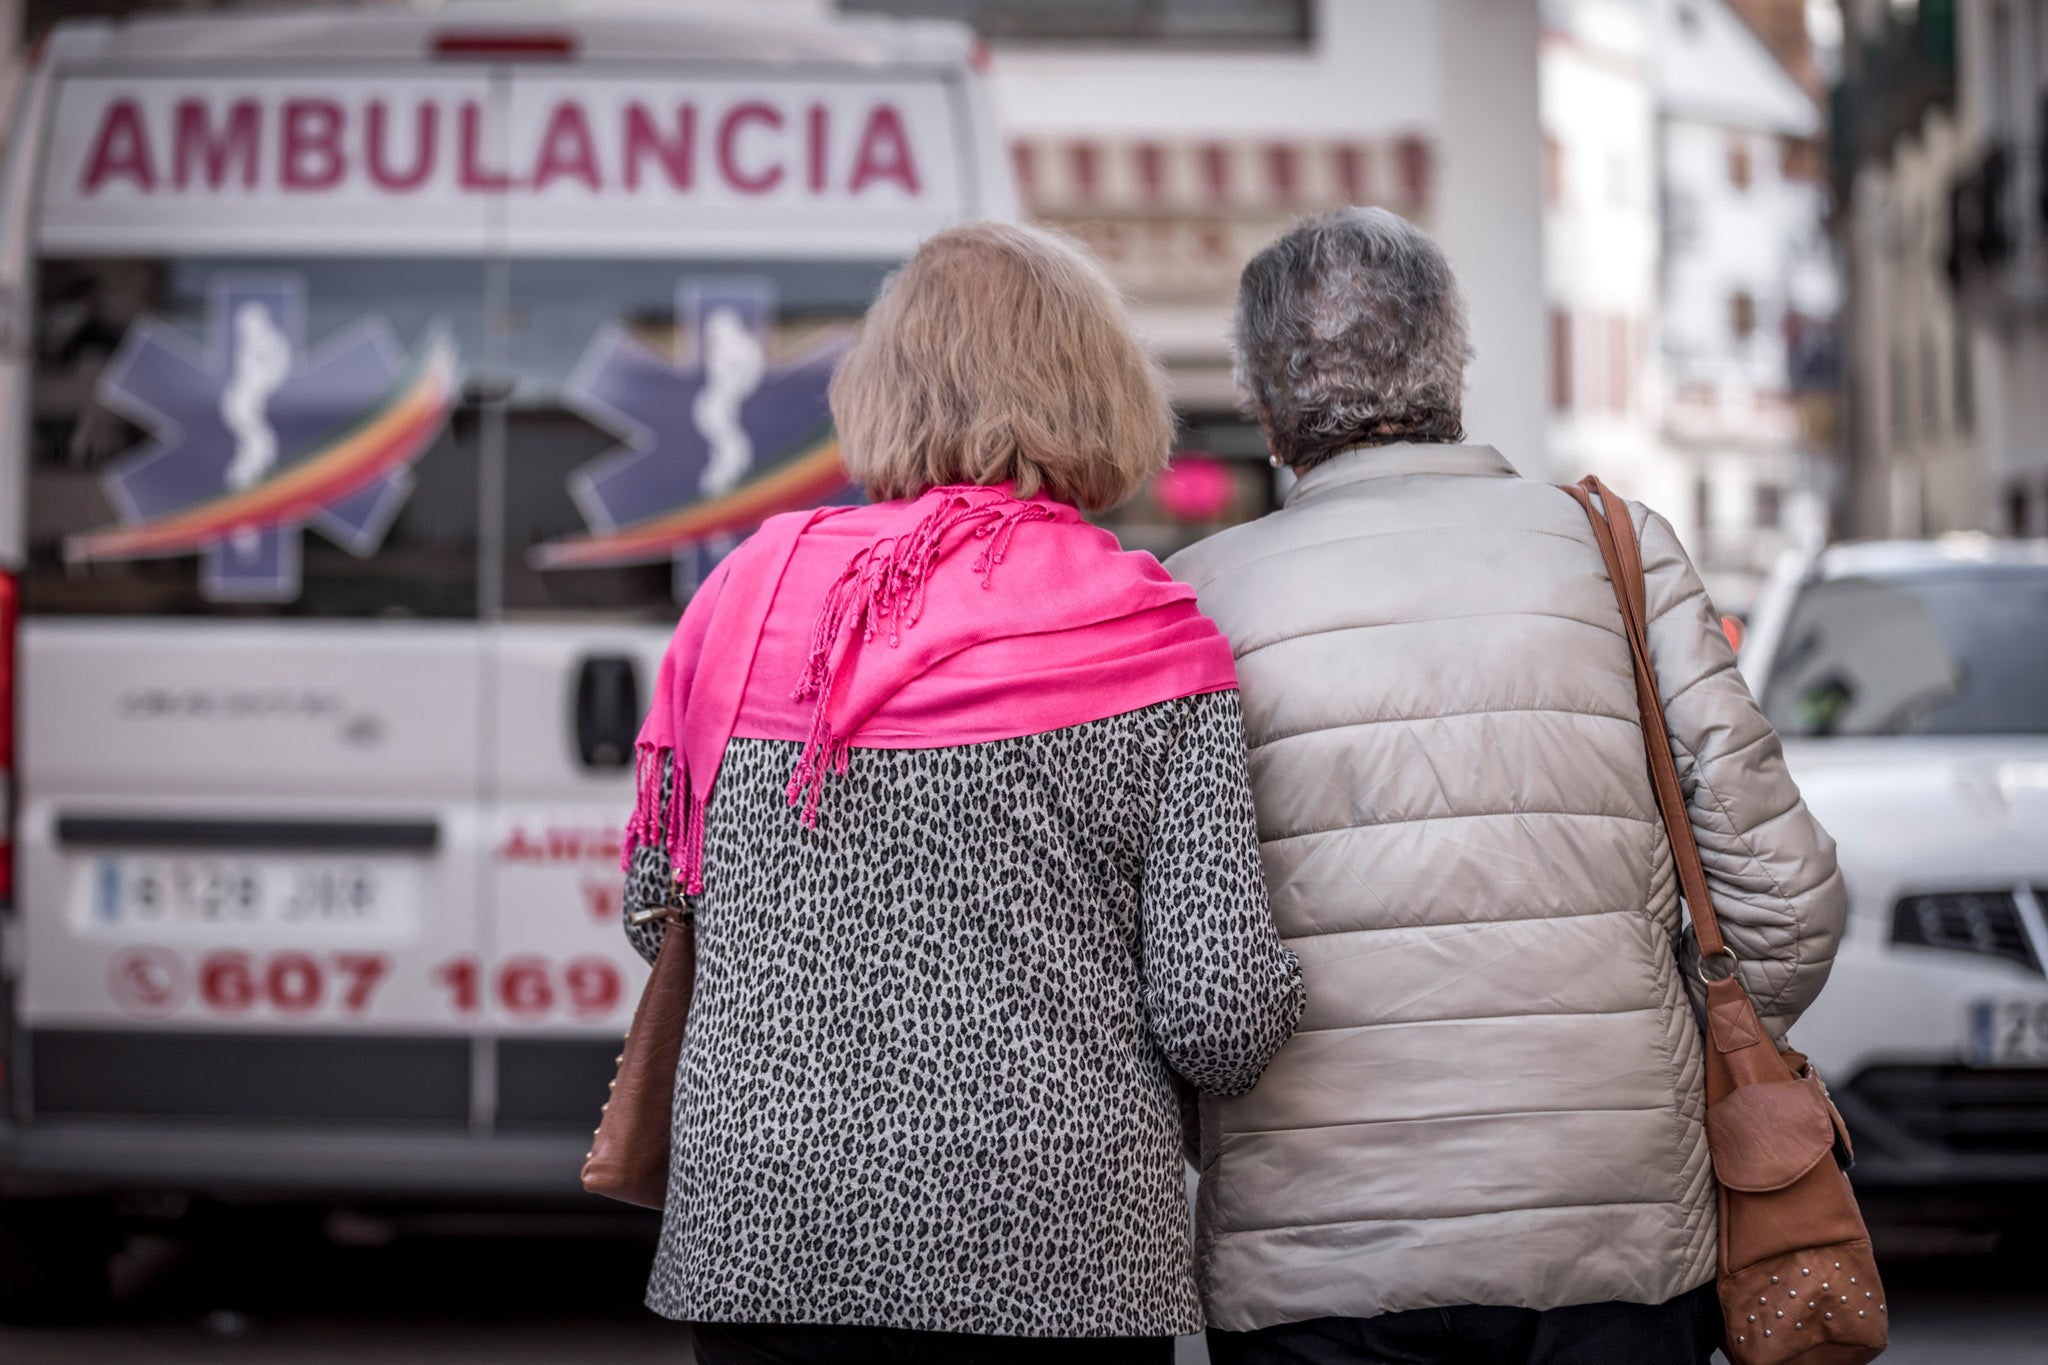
(817,148)
(458,974)
(519,848)
(737,118)
(311,157)
(121,147)
(476,175)
(198,142)
(565,845)
(593,985)
(884,152)
(377,152)
(601,899)
(642,137)
(566,149)
(294,982)
(362,972)
(226,982)
(523,986)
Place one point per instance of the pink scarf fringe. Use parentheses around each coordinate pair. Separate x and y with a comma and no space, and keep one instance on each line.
(883,587)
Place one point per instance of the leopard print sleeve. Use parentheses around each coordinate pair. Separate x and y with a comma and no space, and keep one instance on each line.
(1222,993)
(650,880)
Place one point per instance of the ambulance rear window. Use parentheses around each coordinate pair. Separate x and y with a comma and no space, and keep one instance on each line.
(270,436)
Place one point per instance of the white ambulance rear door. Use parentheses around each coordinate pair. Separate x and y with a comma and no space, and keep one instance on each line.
(253,678)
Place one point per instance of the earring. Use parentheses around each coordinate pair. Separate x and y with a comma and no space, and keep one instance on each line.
(1274,460)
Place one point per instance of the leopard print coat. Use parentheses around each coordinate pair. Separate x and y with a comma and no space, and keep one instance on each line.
(929,1079)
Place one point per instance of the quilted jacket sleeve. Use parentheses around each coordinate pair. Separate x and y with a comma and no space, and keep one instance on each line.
(1222,993)
(1770,865)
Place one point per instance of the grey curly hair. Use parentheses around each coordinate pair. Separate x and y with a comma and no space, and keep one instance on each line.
(1350,331)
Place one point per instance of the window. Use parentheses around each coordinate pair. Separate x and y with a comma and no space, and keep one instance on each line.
(2017,522)
(1619,363)
(1738,160)
(1930,385)
(177,401)
(1742,314)
(1934,652)
(1162,21)
(1799,159)
(605,358)
(1901,404)
(1963,377)
(1560,359)
(1769,511)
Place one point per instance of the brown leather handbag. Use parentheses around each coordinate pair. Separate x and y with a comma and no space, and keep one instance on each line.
(628,1158)
(1798,1280)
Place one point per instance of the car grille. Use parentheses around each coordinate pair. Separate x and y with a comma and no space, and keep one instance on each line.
(1961,1109)
(1983,922)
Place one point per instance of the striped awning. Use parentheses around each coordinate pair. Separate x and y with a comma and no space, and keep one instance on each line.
(1064,176)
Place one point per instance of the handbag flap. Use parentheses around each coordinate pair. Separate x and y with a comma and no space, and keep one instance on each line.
(1765,1136)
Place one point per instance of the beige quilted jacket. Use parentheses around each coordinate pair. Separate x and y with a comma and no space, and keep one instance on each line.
(1495,1096)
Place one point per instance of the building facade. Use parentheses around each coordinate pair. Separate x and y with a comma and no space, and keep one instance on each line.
(1998,253)
(1941,148)
(1749,289)
(1914,426)
(1691,284)
(1602,250)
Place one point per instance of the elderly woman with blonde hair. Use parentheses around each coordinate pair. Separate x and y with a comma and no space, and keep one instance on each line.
(956,789)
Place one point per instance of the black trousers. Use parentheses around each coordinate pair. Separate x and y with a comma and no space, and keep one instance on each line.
(755,1343)
(1684,1331)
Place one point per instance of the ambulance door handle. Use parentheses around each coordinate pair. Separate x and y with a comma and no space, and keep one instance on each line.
(607,710)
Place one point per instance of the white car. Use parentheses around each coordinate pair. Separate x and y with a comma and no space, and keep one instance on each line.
(1909,681)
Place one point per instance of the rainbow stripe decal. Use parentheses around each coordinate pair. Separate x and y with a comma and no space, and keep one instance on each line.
(384,440)
(811,477)
(716,432)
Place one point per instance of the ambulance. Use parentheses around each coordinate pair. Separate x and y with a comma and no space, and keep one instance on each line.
(374,386)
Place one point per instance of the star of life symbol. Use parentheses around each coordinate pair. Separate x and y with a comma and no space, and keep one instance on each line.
(254,439)
(703,433)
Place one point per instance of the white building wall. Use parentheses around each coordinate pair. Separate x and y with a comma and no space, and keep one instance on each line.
(1600,248)
(1743,235)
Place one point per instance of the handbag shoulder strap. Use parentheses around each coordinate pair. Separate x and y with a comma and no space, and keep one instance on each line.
(1615,534)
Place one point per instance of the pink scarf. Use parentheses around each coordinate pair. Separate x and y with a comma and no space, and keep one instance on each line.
(860,627)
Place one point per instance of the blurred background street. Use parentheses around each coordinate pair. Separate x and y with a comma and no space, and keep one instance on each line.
(377,380)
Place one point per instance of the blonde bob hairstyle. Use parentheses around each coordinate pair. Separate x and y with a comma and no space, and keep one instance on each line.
(1001,353)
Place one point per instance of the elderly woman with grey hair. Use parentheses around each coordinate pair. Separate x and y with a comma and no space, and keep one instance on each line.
(1486,1141)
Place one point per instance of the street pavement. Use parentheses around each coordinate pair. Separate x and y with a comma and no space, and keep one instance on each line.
(282,1295)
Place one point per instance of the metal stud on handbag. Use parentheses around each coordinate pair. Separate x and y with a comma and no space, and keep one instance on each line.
(628,1156)
(1798,1281)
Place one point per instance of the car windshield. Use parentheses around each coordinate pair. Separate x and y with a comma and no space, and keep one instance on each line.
(1942,652)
